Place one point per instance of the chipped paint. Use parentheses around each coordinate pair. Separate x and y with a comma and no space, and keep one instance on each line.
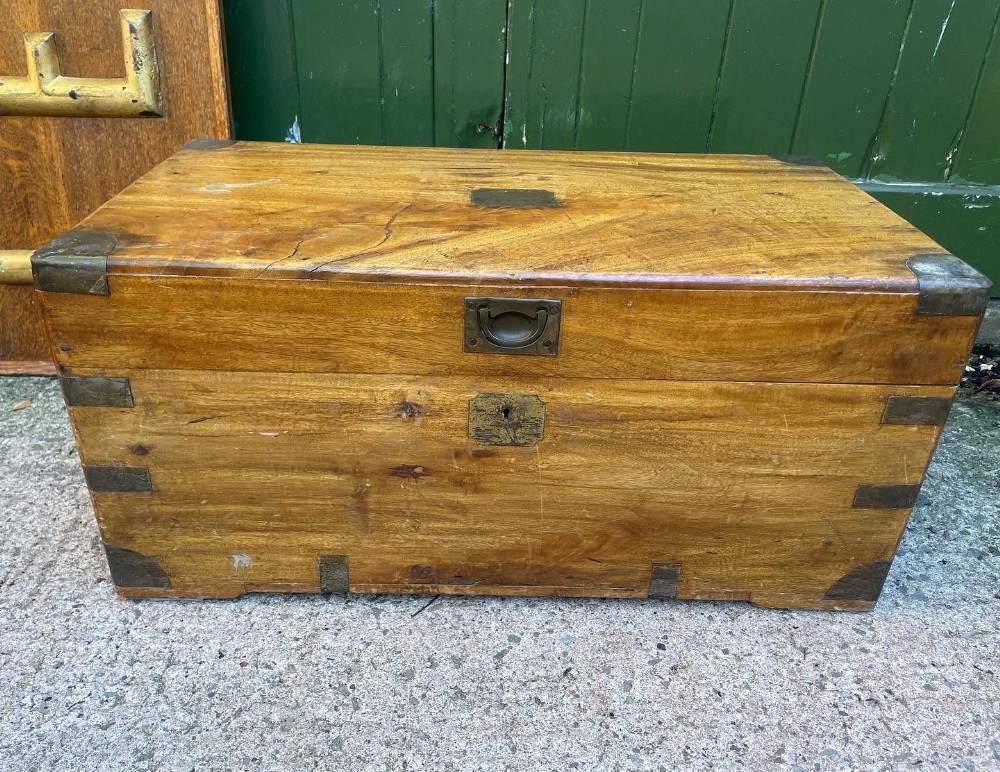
(241,562)
(294,134)
(944,26)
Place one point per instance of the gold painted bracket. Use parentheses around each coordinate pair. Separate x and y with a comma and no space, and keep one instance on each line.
(47,92)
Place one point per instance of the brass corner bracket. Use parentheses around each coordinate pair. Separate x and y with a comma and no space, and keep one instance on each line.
(47,92)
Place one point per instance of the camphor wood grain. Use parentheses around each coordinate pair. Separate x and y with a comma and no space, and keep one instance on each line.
(405,214)
(301,326)
(23,347)
(749,486)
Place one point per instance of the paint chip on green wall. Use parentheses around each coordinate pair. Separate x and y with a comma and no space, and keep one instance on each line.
(294,133)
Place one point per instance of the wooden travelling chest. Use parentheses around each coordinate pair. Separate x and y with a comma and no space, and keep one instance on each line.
(297,368)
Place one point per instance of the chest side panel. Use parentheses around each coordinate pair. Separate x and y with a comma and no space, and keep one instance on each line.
(763,492)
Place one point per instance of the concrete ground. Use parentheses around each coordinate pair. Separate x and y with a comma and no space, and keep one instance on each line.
(92,682)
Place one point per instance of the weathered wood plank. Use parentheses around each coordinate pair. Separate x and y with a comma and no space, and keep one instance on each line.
(469,59)
(939,65)
(853,61)
(978,159)
(607,64)
(545,46)
(766,58)
(676,72)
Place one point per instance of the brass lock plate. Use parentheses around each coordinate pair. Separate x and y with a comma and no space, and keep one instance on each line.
(506,419)
(512,326)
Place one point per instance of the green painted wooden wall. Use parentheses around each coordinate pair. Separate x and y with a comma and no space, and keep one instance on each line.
(409,72)
(902,96)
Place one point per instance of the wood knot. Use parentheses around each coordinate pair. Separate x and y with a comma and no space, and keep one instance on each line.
(422,572)
(409,472)
(140,450)
(408,411)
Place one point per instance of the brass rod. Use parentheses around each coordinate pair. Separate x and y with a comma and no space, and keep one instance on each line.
(15,266)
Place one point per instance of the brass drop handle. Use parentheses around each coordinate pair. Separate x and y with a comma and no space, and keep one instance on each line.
(512,326)
(512,329)
(46,91)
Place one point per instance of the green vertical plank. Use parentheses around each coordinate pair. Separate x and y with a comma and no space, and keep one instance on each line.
(260,55)
(855,54)
(610,36)
(407,77)
(469,50)
(518,68)
(676,71)
(767,54)
(939,67)
(336,43)
(545,43)
(978,157)
(403,73)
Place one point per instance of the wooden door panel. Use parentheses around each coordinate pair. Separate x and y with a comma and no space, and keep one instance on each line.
(55,171)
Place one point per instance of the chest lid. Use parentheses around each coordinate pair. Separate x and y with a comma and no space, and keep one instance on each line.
(320,212)
(283,258)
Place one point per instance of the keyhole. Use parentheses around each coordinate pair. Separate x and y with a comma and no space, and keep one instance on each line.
(506,414)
